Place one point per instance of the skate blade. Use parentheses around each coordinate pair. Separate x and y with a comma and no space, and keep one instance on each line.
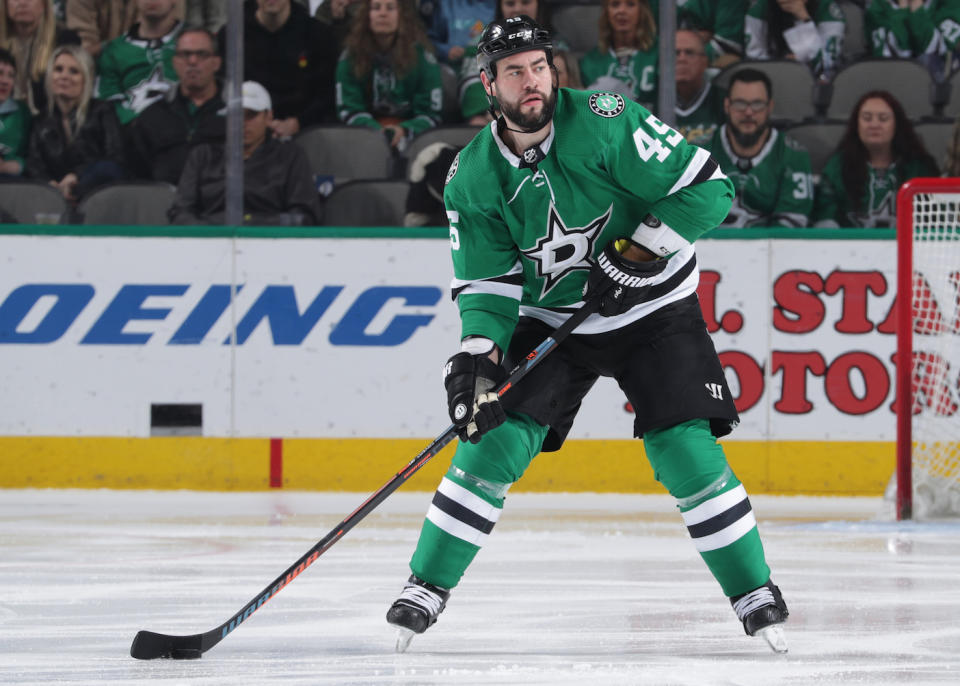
(774,637)
(404,636)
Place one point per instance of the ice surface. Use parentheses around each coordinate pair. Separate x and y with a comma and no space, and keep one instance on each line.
(571,589)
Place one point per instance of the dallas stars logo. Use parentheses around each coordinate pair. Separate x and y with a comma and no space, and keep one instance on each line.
(563,249)
(148,91)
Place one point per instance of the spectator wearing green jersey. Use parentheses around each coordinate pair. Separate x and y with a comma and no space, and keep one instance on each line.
(809,31)
(719,23)
(928,30)
(14,120)
(699,105)
(625,59)
(878,152)
(770,171)
(387,77)
(136,69)
(29,30)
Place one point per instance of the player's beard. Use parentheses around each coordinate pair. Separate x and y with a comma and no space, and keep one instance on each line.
(748,140)
(529,123)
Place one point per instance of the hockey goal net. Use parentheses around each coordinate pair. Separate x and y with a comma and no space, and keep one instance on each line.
(928,349)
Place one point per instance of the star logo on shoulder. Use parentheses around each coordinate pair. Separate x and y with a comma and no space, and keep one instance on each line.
(563,249)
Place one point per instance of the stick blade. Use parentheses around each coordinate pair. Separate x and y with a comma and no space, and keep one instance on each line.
(148,645)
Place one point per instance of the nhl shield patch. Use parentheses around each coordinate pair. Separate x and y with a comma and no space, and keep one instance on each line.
(607,104)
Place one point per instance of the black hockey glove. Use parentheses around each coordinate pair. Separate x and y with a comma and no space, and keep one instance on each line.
(622,282)
(473,405)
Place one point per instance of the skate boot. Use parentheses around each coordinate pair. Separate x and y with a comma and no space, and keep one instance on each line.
(762,610)
(416,609)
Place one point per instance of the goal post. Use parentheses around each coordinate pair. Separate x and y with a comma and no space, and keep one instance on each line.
(928,349)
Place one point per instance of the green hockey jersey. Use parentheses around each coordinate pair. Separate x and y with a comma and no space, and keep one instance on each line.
(134,72)
(894,31)
(523,235)
(633,76)
(14,130)
(818,43)
(415,98)
(878,206)
(698,120)
(774,188)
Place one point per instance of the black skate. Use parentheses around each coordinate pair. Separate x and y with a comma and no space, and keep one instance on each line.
(416,609)
(762,610)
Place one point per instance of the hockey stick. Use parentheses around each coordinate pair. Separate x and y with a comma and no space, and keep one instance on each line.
(148,645)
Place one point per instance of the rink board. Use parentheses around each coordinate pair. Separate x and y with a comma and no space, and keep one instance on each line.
(338,345)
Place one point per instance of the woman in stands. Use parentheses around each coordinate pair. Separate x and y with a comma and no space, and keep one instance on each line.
(878,152)
(76,145)
(625,61)
(808,31)
(387,77)
(28,29)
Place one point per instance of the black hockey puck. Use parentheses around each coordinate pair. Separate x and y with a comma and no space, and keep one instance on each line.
(185,654)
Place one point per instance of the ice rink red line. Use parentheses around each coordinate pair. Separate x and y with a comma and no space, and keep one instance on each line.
(276,463)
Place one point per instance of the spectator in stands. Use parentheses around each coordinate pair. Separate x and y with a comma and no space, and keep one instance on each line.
(293,56)
(878,152)
(474,105)
(453,26)
(719,23)
(14,120)
(28,29)
(99,21)
(568,70)
(928,30)
(136,69)
(387,77)
(189,115)
(338,16)
(808,31)
(699,106)
(770,171)
(77,144)
(625,61)
(208,14)
(278,185)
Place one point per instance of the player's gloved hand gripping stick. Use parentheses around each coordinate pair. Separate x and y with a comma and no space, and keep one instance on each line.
(148,645)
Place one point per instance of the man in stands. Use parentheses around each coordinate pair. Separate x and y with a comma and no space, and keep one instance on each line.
(98,22)
(771,172)
(294,56)
(278,185)
(14,120)
(136,69)
(699,106)
(191,114)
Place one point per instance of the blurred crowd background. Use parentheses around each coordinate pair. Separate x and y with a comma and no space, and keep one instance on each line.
(114,111)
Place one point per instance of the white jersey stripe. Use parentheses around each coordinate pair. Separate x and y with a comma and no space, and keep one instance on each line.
(455,527)
(690,173)
(714,506)
(726,536)
(469,500)
(508,290)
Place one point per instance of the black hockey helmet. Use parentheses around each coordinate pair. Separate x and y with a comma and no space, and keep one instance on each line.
(509,37)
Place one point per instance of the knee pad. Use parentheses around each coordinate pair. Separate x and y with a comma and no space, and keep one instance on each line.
(502,455)
(687,459)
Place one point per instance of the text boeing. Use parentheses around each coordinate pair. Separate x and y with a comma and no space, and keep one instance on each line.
(42,313)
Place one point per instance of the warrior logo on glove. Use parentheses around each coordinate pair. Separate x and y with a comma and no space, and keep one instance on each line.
(622,282)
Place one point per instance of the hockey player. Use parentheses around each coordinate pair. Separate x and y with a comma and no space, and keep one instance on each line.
(537,202)
(770,171)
